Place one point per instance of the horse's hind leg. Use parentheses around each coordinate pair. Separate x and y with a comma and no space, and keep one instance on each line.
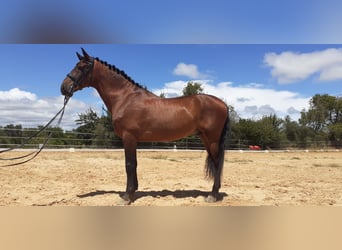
(215,155)
(213,166)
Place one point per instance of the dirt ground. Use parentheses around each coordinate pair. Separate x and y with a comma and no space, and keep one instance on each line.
(97,178)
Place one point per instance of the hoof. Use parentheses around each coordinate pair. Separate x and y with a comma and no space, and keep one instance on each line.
(126,199)
(211,199)
(124,202)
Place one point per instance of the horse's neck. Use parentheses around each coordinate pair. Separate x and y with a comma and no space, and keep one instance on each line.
(114,91)
(109,92)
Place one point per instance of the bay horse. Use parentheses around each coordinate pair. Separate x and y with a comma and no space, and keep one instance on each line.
(140,116)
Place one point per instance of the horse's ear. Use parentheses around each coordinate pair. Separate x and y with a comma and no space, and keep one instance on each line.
(79,56)
(85,54)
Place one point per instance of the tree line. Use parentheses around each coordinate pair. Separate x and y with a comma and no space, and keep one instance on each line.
(320,126)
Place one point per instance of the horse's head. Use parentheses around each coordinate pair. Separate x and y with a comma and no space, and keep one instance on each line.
(79,76)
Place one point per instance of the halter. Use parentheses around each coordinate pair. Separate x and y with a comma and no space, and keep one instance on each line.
(76,81)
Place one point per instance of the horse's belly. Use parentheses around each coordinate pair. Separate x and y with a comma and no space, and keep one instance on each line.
(166,134)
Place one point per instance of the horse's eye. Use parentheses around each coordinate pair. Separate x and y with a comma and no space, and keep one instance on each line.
(82,69)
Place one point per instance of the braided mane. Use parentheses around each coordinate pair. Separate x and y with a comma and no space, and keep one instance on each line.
(120,72)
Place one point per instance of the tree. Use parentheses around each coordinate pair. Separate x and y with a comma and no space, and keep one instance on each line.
(323,111)
(57,136)
(233,115)
(89,119)
(335,134)
(246,130)
(192,88)
(265,132)
(270,130)
(323,118)
(232,127)
(87,122)
(290,129)
(13,133)
(104,131)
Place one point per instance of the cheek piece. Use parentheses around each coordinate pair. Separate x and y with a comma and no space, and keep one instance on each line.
(77,81)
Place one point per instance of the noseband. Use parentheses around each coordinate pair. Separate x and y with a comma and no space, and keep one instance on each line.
(77,81)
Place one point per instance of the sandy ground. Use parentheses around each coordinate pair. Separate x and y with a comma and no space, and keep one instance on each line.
(97,178)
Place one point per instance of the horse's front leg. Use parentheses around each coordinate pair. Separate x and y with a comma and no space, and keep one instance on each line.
(130,146)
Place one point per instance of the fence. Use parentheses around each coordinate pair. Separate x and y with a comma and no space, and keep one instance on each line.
(11,137)
(59,139)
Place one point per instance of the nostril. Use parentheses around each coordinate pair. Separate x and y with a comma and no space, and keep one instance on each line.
(63,90)
(67,90)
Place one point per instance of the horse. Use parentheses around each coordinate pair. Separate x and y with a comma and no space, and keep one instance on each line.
(138,115)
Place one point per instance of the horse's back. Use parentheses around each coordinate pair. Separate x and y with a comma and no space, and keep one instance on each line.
(202,101)
(202,107)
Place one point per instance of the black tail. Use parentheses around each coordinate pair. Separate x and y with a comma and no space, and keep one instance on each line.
(211,168)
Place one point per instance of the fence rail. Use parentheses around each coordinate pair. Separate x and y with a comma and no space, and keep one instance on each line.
(60,140)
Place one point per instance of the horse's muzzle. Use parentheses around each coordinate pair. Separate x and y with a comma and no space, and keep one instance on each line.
(67,90)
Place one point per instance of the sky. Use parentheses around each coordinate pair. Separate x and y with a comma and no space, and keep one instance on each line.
(171,21)
(256,80)
(262,57)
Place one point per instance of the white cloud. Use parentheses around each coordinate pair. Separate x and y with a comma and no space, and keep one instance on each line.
(249,100)
(289,67)
(188,70)
(25,108)
(16,94)
(331,74)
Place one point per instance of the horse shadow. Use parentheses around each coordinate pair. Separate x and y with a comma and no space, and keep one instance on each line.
(178,194)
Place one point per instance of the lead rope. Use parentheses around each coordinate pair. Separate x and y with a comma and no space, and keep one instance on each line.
(35,153)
